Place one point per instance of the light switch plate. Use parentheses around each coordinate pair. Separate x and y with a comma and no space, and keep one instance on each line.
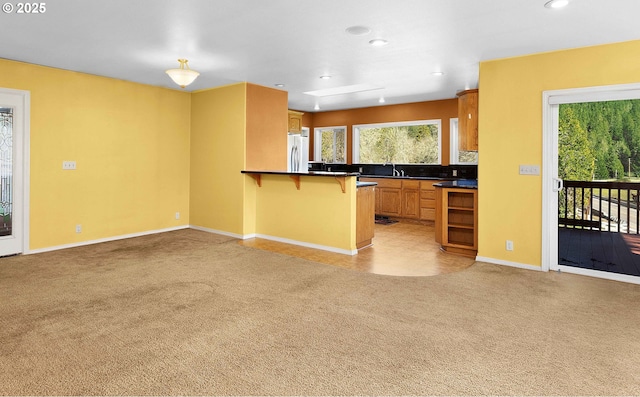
(529,169)
(68,165)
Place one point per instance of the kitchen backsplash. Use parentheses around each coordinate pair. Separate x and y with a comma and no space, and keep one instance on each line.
(415,170)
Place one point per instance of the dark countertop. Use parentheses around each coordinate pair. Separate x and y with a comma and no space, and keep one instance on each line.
(424,178)
(460,183)
(310,173)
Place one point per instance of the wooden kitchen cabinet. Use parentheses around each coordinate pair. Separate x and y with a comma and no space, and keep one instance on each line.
(410,199)
(295,121)
(365,215)
(468,120)
(388,200)
(427,201)
(404,198)
(457,228)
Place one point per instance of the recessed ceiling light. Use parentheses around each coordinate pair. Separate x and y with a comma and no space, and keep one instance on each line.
(358,30)
(381,100)
(279,85)
(325,77)
(378,42)
(317,107)
(556,3)
(437,73)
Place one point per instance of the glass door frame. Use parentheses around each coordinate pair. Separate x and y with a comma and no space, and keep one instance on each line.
(18,241)
(551,101)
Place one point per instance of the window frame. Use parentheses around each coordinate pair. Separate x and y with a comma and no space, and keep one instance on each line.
(355,152)
(454,151)
(317,143)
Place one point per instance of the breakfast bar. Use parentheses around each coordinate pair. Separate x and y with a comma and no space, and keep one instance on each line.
(313,209)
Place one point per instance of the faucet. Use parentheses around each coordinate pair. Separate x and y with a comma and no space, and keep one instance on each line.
(395,171)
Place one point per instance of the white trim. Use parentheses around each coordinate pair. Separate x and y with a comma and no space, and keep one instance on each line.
(234,235)
(104,240)
(23,143)
(308,245)
(508,263)
(550,105)
(278,239)
(617,92)
(355,133)
(598,274)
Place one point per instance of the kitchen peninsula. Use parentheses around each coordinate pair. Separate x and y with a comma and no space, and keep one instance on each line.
(315,209)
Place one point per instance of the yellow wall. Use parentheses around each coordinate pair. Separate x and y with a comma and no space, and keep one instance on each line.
(319,213)
(218,141)
(131,145)
(510,134)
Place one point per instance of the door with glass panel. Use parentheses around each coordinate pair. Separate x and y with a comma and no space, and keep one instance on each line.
(12,125)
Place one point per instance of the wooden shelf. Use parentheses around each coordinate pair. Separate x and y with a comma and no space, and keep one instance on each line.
(458,230)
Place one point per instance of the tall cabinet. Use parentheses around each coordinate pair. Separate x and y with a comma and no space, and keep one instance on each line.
(468,120)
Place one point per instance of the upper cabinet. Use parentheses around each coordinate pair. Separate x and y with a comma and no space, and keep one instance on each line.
(468,120)
(295,121)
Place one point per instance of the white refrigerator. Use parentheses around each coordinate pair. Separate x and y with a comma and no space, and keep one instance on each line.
(298,153)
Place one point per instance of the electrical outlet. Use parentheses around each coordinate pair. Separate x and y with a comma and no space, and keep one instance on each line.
(78,228)
(455,172)
(68,165)
(509,245)
(177,215)
(360,170)
(529,169)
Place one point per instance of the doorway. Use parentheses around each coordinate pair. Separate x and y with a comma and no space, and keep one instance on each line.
(574,198)
(14,135)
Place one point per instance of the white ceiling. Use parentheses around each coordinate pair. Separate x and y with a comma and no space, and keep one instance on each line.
(295,41)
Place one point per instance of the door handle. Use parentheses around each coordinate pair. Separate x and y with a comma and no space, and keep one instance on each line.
(558,184)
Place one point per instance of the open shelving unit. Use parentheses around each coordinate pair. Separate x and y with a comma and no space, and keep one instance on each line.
(460,221)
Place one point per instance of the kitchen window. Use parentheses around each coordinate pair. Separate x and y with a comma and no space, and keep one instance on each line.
(459,156)
(330,144)
(413,142)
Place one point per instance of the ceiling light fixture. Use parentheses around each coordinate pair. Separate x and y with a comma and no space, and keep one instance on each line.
(378,42)
(381,100)
(325,77)
(437,73)
(183,76)
(317,107)
(280,85)
(556,4)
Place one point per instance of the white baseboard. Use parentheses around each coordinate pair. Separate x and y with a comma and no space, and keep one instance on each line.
(308,245)
(222,232)
(508,263)
(103,240)
(598,274)
(278,239)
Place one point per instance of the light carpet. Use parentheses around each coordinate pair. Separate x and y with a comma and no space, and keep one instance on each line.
(193,313)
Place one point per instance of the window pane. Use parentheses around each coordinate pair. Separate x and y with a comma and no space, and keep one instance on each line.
(6,171)
(408,144)
(327,146)
(341,145)
(467,157)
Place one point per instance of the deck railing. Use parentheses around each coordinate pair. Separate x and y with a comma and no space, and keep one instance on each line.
(605,206)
